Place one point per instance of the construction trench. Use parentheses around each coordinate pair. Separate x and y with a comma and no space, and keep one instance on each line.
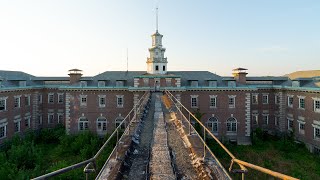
(160,149)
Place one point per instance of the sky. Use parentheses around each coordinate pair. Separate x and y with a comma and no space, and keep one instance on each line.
(268,37)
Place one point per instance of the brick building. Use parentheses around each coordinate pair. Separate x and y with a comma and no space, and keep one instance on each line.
(232,106)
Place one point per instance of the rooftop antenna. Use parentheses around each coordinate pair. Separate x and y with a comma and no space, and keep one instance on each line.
(127,60)
(157,26)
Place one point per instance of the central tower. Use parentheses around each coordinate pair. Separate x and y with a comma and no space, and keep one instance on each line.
(156,62)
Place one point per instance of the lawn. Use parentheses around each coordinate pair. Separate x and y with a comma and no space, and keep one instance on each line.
(38,153)
(278,154)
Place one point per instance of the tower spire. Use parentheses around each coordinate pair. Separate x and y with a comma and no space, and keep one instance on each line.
(157,25)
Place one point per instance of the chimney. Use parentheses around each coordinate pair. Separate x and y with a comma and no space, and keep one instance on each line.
(239,75)
(75,75)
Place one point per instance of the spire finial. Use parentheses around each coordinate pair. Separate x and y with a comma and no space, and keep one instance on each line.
(157,18)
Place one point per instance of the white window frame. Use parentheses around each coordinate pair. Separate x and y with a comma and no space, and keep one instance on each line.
(18,123)
(3,124)
(50,98)
(100,97)
(83,124)
(50,121)
(60,98)
(233,104)
(39,119)
(60,117)
(265,118)
(289,98)
(27,100)
(83,100)
(316,105)
(213,101)
(17,101)
(168,82)
(231,125)
(213,124)
(27,121)
(263,99)
(40,98)
(300,103)
(101,83)
(301,123)
(255,99)
(102,124)
(290,120)
(117,122)
(4,99)
(255,118)
(120,103)
(194,101)
(276,120)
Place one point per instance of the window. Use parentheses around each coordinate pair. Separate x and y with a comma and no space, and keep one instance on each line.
(119,83)
(146,81)
(60,117)
(50,98)
(3,103)
(17,101)
(213,101)
(265,99)
(194,101)
(255,118)
(50,118)
(290,101)
(40,98)
(255,99)
(316,105)
(290,124)
(101,124)
(265,119)
(277,99)
(212,83)
(17,123)
(119,101)
(83,100)
(101,83)
(118,122)
(83,124)
(213,124)
(276,120)
(83,83)
(301,103)
(102,100)
(168,82)
(232,101)
(27,100)
(194,83)
(60,98)
(231,125)
(316,132)
(301,128)
(164,68)
(157,68)
(39,118)
(27,121)
(3,129)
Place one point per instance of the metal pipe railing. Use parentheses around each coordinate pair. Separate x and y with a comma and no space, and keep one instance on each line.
(241,163)
(94,158)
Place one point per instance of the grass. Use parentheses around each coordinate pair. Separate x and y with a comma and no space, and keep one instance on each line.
(281,155)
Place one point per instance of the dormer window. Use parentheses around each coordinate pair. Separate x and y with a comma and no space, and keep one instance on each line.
(83,83)
(212,83)
(119,83)
(194,83)
(22,83)
(101,83)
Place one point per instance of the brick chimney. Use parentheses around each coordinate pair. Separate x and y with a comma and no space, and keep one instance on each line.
(75,75)
(239,75)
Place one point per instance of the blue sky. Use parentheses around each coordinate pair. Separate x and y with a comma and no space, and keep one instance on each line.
(270,37)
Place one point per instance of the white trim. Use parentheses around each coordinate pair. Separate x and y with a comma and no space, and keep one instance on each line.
(99,100)
(50,94)
(120,105)
(82,96)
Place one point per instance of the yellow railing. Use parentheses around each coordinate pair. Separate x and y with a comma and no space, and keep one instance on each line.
(243,165)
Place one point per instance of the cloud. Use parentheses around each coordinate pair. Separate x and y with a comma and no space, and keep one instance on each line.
(273,49)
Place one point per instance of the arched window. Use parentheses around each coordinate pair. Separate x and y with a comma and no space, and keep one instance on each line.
(118,121)
(231,125)
(213,124)
(101,124)
(83,124)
